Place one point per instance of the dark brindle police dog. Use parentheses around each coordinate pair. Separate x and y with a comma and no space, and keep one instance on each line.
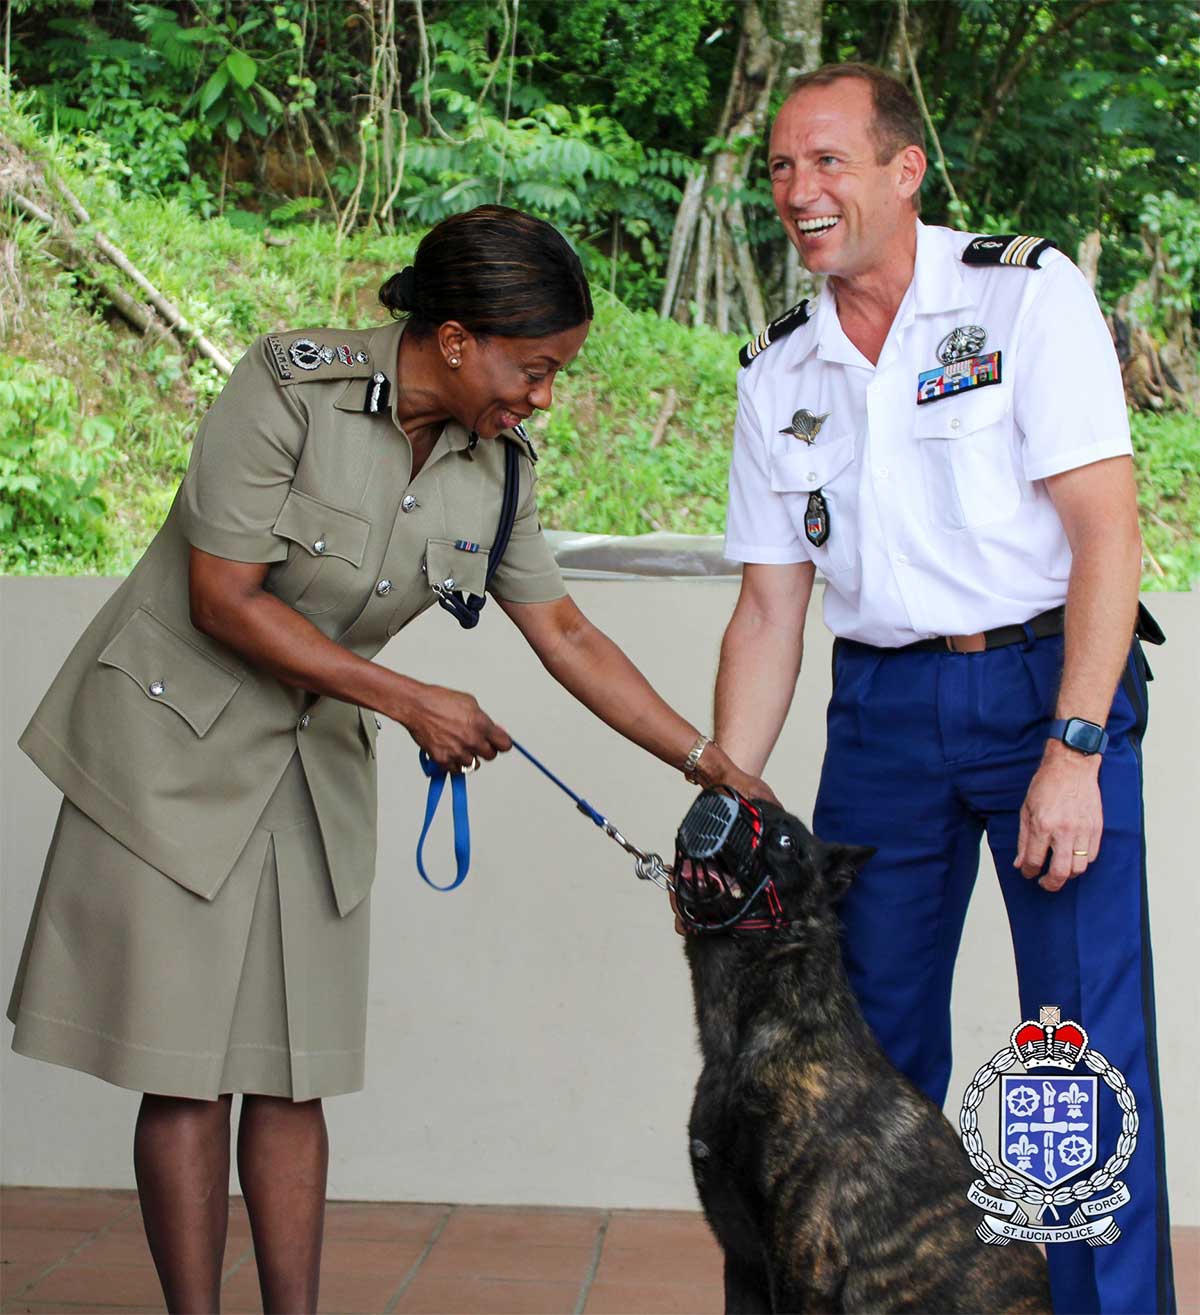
(830,1181)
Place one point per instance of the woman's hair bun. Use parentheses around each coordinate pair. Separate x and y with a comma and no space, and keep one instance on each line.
(399,293)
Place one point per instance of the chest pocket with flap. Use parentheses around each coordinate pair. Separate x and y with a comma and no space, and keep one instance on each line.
(798,470)
(326,549)
(969,458)
(450,567)
(171,671)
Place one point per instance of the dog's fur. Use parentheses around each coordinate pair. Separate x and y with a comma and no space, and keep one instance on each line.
(830,1181)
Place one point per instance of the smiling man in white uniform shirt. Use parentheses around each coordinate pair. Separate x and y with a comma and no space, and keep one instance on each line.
(944,436)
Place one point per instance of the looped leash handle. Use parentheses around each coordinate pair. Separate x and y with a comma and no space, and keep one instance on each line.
(462,823)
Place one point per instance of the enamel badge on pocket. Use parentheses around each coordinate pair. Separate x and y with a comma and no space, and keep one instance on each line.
(816,519)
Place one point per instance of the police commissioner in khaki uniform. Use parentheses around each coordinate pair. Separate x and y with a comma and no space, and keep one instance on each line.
(202,921)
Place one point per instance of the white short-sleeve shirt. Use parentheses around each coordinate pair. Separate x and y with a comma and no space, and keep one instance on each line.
(939,519)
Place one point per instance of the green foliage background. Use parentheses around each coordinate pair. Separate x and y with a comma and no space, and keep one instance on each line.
(197,132)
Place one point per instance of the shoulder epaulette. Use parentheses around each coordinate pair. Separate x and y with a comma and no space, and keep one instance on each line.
(778,328)
(312,355)
(1007,249)
(522,435)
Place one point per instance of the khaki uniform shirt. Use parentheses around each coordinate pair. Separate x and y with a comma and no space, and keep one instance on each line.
(171,741)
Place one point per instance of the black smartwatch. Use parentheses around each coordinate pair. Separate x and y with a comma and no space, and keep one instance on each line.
(1083,736)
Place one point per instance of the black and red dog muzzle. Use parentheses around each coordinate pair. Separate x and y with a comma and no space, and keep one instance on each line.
(721,881)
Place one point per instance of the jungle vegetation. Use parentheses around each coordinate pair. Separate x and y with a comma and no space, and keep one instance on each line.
(178,177)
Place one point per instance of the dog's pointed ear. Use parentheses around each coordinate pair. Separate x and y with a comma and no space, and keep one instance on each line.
(843,863)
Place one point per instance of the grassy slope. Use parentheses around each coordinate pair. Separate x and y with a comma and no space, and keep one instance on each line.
(598,471)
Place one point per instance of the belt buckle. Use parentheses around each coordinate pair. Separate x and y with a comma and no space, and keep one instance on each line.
(966,643)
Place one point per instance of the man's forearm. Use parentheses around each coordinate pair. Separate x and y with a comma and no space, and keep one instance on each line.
(1102,597)
(755,683)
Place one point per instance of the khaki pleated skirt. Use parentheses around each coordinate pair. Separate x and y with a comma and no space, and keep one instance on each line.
(127,975)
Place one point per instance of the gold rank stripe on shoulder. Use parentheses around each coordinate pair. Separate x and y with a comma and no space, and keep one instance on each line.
(315,354)
(778,328)
(1007,249)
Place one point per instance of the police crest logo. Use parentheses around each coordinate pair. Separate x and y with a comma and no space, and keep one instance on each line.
(816,519)
(1048,1137)
(305,354)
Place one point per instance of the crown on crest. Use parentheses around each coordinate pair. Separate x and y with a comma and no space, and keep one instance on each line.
(1050,1042)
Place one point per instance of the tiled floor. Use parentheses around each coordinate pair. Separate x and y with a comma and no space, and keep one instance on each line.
(76,1251)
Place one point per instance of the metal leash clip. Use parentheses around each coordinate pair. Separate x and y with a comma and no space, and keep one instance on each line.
(647,867)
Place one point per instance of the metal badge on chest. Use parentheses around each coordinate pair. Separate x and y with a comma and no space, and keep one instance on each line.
(963,365)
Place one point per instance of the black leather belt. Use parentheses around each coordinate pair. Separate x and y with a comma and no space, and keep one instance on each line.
(1042,626)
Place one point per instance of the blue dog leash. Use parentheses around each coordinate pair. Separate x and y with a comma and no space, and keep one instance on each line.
(647,866)
(462,823)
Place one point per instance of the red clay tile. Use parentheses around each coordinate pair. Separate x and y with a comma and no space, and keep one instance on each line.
(341,1294)
(74,1308)
(116,1248)
(652,1230)
(129,1286)
(695,1260)
(1185,1249)
(345,1255)
(348,1294)
(15,1278)
(457,1296)
(655,1299)
(500,1226)
(122,1247)
(382,1222)
(69,1210)
(514,1260)
(23,1246)
(238,1250)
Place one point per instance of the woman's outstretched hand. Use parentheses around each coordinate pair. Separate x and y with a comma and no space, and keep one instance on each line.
(451,727)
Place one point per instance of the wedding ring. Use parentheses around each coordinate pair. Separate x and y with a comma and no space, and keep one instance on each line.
(474,767)
(1080,853)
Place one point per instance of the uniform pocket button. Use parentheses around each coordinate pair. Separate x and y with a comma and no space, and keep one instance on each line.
(955,423)
(319,547)
(157,688)
(383,588)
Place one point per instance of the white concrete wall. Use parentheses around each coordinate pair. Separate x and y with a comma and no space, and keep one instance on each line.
(530,1034)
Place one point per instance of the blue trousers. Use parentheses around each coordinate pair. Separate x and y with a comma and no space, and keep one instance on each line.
(927,752)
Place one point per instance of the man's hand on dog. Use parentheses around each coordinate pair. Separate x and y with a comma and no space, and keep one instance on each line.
(1062,818)
(717,768)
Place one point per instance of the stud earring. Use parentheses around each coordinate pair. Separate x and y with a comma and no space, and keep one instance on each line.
(455,362)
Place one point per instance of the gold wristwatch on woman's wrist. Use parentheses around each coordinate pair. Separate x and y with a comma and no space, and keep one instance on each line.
(692,761)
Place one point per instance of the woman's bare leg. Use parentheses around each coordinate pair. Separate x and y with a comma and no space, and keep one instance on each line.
(181,1160)
(283,1158)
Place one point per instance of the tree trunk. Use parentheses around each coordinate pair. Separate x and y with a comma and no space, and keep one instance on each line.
(682,237)
(709,212)
(799,28)
(1088,258)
